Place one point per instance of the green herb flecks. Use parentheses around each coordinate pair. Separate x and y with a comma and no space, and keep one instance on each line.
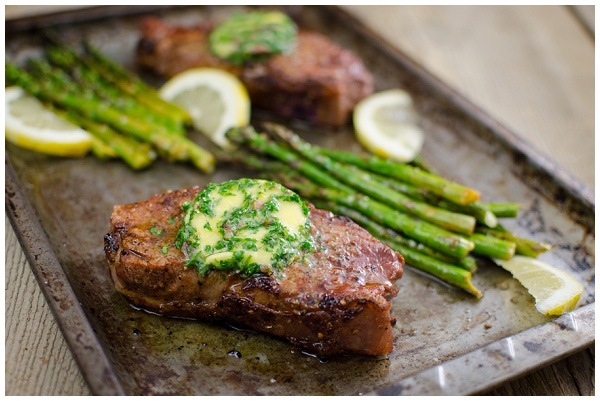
(156,231)
(165,249)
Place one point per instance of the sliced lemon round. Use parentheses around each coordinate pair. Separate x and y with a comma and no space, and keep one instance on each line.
(28,124)
(555,291)
(386,124)
(216,100)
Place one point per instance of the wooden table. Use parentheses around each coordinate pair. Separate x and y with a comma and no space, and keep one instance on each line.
(530,67)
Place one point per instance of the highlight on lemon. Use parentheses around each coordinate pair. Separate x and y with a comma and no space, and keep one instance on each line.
(215,99)
(30,125)
(555,291)
(386,124)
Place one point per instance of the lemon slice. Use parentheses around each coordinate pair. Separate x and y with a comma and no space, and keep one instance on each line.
(386,124)
(555,291)
(215,99)
(28,124)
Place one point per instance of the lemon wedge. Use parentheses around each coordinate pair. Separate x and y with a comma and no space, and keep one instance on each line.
(386,124)
(28,124)
(554,290)
(216,100)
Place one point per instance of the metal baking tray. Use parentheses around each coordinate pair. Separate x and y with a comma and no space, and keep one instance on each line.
(446,342)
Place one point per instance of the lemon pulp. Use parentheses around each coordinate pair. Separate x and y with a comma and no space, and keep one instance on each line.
(215,99)
(29,124)
(386,124)
(555,291)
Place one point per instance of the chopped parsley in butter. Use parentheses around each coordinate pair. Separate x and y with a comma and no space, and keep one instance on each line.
(246,226)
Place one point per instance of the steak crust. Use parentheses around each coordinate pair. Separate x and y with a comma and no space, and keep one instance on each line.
(318,82)
(337,303)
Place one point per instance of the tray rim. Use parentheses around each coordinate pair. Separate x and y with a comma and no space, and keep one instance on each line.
(85,346)
(57,290)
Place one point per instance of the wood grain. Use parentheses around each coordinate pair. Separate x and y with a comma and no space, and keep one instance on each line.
(532,68)
(38,361)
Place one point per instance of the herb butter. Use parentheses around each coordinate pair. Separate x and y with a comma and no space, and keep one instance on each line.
(253,36)
(246,226)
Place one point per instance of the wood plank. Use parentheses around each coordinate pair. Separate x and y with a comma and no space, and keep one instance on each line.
(37,359)
(571,376)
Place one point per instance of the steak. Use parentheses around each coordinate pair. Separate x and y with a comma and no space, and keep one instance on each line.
(319,82)
(338,303)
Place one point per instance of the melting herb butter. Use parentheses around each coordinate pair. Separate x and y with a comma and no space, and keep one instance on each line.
(253,36)
(246,226)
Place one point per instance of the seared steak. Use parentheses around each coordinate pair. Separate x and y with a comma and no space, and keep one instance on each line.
(319,82)
(337,304)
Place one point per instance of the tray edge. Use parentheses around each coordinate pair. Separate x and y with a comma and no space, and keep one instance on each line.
(498,361)
(56,288)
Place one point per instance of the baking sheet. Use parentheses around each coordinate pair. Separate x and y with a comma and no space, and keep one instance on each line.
(60,210)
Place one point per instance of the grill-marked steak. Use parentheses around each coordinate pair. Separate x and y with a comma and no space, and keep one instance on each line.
(318,82)
(338,304)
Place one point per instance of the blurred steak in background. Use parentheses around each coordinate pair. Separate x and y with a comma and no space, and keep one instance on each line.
(319,82)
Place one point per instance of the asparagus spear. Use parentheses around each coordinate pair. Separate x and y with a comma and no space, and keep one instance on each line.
(131,84)
(365,183)
(170,147)
(446,272)
(446,189)
(499,248)
(524,246)
(107,144)
(136,154)
(492,247)
(69,60)
(101,150)
(479,210)
(505,209)
(116,76)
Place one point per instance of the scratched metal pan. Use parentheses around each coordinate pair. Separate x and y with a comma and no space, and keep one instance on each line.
(446,342)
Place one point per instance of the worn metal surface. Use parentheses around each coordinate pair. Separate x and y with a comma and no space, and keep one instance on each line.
(443,342)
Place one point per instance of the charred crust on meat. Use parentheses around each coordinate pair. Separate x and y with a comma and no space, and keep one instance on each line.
(263,283)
